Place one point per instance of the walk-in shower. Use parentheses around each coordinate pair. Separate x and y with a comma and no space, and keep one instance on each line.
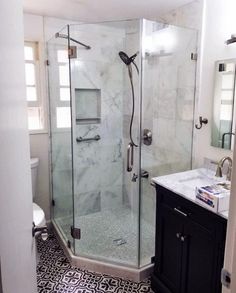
(111,212)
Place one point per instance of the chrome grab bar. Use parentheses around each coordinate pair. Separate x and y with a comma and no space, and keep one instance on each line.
(81,139)
(130,157)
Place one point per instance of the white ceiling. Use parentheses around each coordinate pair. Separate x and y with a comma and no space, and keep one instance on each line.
(101,10)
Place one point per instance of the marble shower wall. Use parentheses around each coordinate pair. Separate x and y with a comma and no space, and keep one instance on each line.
(98,165)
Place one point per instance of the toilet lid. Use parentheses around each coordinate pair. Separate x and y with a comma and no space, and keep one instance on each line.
(38,215)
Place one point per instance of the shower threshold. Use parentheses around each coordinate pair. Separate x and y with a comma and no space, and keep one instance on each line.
(117,270)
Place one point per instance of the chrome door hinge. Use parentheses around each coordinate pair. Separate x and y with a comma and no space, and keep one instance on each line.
(194,56)
(53,202)
(225,278)
(75,233)
(72,52)
(47,62)
(68,244)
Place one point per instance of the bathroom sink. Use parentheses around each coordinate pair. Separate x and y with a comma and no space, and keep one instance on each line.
(199,180)
(185,183)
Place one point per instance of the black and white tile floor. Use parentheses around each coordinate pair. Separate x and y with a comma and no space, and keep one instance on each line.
(55,274)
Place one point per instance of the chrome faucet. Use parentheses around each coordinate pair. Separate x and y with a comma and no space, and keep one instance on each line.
(220,166)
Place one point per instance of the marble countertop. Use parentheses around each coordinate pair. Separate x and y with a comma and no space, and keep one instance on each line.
(184,183)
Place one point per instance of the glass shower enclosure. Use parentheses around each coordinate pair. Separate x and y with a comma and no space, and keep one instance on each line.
(100,174)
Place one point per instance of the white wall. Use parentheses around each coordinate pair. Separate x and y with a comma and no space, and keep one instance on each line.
(189,15)
(39,143)
(16,243)
(218,24)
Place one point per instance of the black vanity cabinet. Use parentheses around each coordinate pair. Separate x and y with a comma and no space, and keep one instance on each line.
(190,243)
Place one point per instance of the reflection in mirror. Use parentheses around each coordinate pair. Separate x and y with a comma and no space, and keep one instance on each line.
(223,126)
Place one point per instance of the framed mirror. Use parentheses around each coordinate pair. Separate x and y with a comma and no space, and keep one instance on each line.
(223,126)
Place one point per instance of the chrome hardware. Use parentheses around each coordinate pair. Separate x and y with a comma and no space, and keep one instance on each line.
(134,178)
(147,137)
(130,157)
(81,139)
(194,56)
(201,121)
(43,230)
(225,278)
(180,212)
(144,174)
(153,184)
(72,52)
(231,40)
(220,166)
(64,36)
(178,235)
(182,238)
(75,232)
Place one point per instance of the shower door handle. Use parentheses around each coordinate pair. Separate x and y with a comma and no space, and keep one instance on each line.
(130,157)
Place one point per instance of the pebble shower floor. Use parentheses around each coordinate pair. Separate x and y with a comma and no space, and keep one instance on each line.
(55,274)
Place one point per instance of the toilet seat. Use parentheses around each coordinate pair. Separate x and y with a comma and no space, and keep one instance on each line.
(38,216)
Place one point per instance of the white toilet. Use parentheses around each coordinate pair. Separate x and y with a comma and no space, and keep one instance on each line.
(38,213)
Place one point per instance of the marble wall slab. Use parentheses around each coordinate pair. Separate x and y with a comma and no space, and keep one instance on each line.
(99,164)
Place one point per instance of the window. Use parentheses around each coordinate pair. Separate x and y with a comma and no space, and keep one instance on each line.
(63,115)
(34,101)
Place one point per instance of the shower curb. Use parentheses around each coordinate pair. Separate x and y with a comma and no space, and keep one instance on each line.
(93,265)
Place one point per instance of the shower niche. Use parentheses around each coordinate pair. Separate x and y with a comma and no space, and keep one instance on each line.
(87,106)
(92,189)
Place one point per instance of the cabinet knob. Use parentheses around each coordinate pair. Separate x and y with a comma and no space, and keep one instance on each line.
(178,235)
(182,238)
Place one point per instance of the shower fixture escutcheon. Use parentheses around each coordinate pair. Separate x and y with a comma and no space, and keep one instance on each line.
(147,136)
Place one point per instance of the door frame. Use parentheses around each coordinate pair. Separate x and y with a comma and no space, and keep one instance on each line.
(230,251)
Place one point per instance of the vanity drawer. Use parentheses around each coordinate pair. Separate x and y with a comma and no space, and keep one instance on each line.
(192,211)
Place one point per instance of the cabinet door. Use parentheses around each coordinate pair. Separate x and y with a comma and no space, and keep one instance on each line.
(169,248)
(199,260)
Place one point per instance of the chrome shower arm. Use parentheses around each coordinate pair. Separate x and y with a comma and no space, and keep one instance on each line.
(63,36)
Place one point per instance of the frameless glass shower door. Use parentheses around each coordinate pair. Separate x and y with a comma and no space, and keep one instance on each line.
(106,195)
(168,97)
(61,134)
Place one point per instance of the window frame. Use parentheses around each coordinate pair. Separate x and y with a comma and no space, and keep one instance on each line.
(62,103)
(39,85)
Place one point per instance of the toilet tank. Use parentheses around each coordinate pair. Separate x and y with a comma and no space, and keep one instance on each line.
(34,162)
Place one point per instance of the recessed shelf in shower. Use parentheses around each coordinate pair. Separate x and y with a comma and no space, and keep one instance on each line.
(88,106)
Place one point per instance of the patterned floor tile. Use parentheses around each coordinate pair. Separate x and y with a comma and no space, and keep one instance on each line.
(56,275)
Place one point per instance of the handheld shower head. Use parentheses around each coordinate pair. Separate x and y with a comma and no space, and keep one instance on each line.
(126,59)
